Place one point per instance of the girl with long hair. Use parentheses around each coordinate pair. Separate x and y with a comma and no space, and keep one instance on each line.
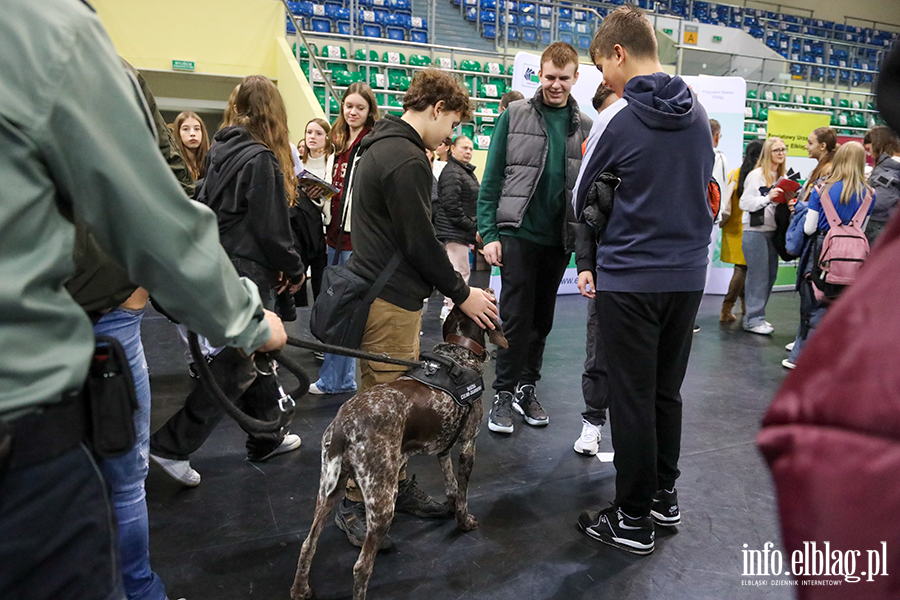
(359,111)
(845,188)
(193,142)
(254,229)
(312,209)
(884,147)
(820,145)
(758,203)
(732,231)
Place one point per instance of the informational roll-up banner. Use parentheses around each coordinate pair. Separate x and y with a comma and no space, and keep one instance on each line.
(794,126)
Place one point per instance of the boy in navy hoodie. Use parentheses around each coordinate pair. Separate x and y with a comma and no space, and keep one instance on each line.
(651,269)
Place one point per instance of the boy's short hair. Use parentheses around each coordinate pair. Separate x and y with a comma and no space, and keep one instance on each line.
(628,27)
(603,92)
(560,54)
(714,127)
(430,86)
(510,97)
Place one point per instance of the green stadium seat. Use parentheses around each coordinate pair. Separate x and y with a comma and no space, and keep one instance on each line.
(473,66)
(482,141)
(844,103)
(857,120)
(751,94)
(397,81)
(342,78)
(378,81)
(396,71)
(799,99)
(396,102)
(471,83)
(509,71)
(444,62)
(870,106)
(304,53)
(332,51)
(393,58)
(490,90)
(486,120)
(762,114)
(361,55)
(467,129)
(750,111)
(815,100)
(487,130)
(493,68)
(856,104)
(420,60)
(840,118)
(828,102)
(381,99)
(768,96)
(334,67)
(784,97)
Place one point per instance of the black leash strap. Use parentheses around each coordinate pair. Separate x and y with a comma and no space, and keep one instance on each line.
(382,358)
(249,424)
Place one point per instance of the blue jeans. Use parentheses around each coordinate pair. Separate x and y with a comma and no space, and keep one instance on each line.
(338,373)
(762,269)
(811,313)
(125,475)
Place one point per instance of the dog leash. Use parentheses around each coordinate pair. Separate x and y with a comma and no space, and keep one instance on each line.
(382,358)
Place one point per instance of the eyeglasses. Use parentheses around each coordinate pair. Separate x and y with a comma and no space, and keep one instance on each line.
(779,150)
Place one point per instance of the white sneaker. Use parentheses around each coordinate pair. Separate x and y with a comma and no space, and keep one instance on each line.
(787,364)
(314,389)
(789,347)
(764,328)
(289,443)
(179,470)
(445,312)
(589,442)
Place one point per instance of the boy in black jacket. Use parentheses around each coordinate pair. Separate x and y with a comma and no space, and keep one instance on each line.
(391,190)
(651,269)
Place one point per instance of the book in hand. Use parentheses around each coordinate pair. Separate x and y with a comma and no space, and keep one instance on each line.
(309,182)
(789,184)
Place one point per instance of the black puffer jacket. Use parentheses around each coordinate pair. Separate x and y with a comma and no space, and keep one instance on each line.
(458,198)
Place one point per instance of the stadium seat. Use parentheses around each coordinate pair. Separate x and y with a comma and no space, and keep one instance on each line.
(493,68)
(398,82)
(762,114)
(584,42)
(393,58)
(378,81)
(332,51)
(397,103)
(784,97)
(467,129)
(373,31)
(444,62)
(361,55)
(488,31)
(751,94)
(472,66)
(420,60)
(396,33)
(815,100)
(419,37)
(566,37)
(471,83)
(342,78)
(490,90)
(482,141)
(529,35)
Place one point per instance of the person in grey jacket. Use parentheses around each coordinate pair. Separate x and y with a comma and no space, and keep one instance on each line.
(884,146)
(455,221)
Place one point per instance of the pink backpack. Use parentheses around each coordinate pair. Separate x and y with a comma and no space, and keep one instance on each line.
(844,249)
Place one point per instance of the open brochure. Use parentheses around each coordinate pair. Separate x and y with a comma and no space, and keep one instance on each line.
(790,183)
(308,181)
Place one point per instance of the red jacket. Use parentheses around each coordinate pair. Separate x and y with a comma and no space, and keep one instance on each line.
(338,173)
(832,434)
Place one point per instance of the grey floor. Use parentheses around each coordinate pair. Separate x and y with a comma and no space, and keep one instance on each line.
(238,534)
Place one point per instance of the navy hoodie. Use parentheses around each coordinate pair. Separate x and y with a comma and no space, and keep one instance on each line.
(656,139)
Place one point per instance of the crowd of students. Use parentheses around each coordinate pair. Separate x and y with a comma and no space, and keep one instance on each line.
(644,269)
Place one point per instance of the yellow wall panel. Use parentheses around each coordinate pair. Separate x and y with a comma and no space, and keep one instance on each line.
(233,37)
(298,96)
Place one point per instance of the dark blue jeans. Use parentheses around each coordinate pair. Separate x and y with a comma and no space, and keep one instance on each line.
(58,537)
(125,475)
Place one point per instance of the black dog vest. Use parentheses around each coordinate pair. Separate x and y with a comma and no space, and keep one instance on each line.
(440,372)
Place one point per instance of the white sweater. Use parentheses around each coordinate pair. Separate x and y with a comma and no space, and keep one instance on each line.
(752,200)
(321,167)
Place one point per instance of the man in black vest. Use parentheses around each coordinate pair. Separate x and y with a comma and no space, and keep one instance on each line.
(526,220)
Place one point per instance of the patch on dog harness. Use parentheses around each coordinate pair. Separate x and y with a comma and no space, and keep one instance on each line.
(440,372)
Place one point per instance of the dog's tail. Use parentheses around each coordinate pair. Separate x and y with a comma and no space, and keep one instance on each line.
(332,456)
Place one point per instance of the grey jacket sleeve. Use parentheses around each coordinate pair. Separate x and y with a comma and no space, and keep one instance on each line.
(107,167)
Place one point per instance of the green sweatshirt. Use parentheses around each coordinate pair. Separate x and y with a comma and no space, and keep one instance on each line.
(543,220)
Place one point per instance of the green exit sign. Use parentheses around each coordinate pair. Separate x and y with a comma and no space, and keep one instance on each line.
(667,31)
(717,38)
(182,65)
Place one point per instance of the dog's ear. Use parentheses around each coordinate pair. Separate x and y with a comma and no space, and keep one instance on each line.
(497,337)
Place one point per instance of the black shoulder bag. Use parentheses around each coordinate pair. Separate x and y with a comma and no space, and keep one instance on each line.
(339,314)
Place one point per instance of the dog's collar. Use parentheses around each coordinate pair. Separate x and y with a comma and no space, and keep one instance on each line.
(465,342)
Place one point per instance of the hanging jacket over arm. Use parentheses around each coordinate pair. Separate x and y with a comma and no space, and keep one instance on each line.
(457,196)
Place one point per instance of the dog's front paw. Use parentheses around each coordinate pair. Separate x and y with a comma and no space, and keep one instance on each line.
(467,523)
(301,592)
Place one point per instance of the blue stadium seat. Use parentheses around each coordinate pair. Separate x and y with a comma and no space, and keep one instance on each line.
(512,33)
(295,7)
(488,4)
(565,14)
(544,10)
(418,36)
(513,19)
(488,16)
(528,21)
(488,31)
(396,33)
(529,35)
(372,30)
(343,27)
(580,15)
(566,26)
(419,23)
(584,42)
(402,6)
(527,8)
(545,37)
(582,28)
(566,37)
(321,25)
(290,26)
(471,14)
(381,15)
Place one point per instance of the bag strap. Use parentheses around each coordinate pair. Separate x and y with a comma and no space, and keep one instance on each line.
(346,199)
(828,206)
(863,209)
(383,278)
(230,170)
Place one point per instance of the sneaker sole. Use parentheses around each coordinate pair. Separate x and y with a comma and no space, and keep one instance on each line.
(664,521)
(278,451)
(531,421)
(585,451)
(620,543)
(182,481)
(500,428)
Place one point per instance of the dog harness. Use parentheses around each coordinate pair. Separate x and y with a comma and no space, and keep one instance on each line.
(442,373)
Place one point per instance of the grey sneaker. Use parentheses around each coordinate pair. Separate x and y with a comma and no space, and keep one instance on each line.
(350,517)
(501,417)
(526,404)
(179,470)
